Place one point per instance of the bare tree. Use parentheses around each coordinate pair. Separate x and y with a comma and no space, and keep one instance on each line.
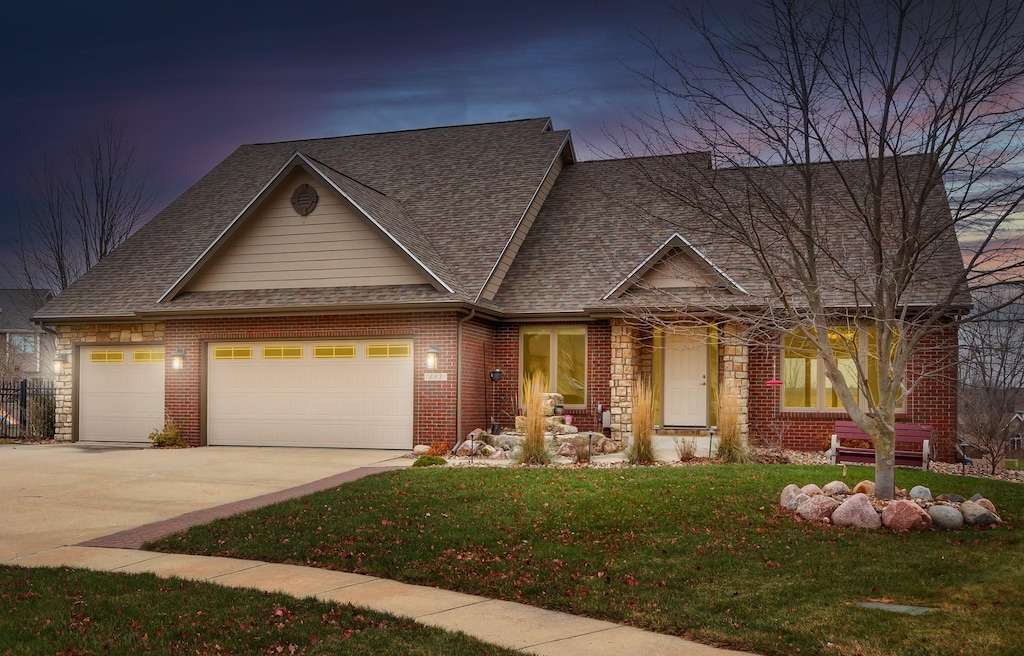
(81,207)
(992,378)
(852,142)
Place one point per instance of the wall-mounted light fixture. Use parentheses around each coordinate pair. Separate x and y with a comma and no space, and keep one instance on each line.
(432,354)
(178,359)
(59,363)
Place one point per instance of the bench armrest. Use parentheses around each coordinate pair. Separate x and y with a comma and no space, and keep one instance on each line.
(926,454)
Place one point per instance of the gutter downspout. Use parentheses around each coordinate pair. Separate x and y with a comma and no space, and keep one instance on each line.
(458,377)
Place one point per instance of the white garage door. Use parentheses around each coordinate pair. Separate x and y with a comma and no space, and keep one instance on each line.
(325,393)
(121,393)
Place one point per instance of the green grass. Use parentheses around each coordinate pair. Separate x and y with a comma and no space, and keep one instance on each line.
(701,552)
(76,612)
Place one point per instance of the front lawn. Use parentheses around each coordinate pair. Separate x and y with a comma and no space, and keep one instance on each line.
(77,612)
(699,551)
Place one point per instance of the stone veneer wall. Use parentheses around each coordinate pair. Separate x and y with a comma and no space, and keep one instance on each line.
(735,378)
(625,367)
(70,336)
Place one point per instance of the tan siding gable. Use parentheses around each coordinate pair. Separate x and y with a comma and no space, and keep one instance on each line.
(507,257)
(677,270)
(333,246)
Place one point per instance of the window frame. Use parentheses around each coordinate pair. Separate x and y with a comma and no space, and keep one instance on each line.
(822,384)
(552,373)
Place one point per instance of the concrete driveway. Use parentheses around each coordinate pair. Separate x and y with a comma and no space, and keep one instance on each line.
(62,494)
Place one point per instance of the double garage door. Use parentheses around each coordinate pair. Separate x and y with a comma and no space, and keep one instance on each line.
(325,393)
(356,394)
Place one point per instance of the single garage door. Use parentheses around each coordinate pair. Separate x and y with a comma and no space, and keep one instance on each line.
(325,393)
(121,393)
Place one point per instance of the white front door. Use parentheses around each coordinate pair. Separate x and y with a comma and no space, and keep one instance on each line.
(686,378)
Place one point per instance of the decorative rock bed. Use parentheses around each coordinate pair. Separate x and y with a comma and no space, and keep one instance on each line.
(837,504)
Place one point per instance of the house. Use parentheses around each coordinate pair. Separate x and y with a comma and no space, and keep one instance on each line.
(26,350)
(358,291)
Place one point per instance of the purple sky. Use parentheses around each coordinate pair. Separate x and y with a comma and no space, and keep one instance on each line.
(191,84)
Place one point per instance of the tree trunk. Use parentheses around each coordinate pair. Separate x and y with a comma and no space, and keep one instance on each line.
(885,460)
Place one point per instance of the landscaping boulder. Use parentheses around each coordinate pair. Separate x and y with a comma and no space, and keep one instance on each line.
(567,450)
(946,517)
(789,493)
(818,508)
(857,511)
(606,445)
(549,400)
(952,498)
(486,450)
(987,505)
(795,502)
(836,487)
(420,450)
(920,492)
(977,495)
(499,454)
(977,515)
(865,487)
(810,489)
(508,441)
(905,515)
(468,448)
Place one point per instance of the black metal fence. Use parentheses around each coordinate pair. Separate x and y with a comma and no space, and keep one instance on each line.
(27,409)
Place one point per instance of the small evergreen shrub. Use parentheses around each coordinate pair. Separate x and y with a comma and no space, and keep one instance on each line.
(429,461)
(168,437)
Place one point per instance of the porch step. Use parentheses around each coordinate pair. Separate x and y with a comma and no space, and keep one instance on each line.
(681,432)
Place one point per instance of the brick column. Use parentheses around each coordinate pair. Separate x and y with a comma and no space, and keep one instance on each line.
(625,366)
(735,370)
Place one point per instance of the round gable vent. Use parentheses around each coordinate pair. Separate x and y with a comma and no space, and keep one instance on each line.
(304,199)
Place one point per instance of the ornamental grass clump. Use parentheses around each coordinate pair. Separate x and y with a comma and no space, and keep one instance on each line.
(534,450)
(732,446)
(641,449)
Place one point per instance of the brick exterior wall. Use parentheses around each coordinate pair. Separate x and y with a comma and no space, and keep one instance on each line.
(933,401)
(615,357)
(434,409)
(71,336)
(506,357)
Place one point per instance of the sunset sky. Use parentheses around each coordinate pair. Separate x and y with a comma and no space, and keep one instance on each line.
(191,83)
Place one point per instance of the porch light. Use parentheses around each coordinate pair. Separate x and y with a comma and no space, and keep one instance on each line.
(432,353)
(178,359)
(59,363)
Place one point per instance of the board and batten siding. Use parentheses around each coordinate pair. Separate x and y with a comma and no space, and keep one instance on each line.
(514,244)
(333,246)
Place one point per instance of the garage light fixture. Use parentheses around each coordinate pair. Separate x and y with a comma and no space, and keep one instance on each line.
(432,354)
(178,359)
(59,363)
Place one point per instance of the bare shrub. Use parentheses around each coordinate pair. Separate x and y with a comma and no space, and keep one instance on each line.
(534,450)
(732,448)
(641,449)
(686,450)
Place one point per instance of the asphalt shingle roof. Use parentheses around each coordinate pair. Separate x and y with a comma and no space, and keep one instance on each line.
(453,196)
(466,187)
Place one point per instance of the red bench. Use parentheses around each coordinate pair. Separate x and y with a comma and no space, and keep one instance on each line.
(906,434)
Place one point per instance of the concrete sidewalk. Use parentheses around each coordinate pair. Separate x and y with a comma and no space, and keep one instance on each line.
(532,630)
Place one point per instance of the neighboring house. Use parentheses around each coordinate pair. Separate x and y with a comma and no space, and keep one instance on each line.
(357,291)
(26,350)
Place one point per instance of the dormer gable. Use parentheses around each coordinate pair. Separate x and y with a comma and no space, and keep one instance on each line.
(676,264)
